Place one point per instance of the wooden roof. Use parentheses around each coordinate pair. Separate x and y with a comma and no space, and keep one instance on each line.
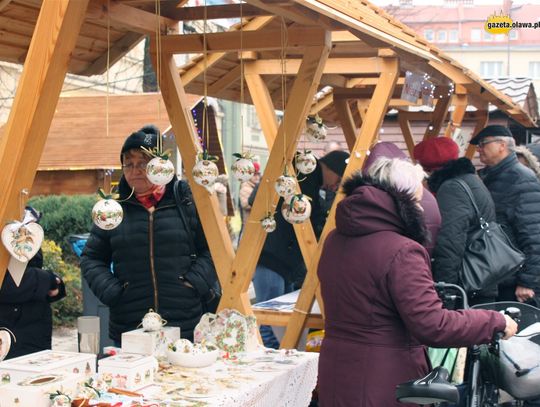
(78,136)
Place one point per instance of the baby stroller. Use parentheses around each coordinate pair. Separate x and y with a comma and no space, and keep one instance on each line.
(512,365)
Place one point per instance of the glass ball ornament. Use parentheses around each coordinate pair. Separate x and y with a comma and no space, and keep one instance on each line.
(285,186)
(297,209)
(205,173)
(107,214)
(268,223)
(305,162)
(243,169)
(160,171)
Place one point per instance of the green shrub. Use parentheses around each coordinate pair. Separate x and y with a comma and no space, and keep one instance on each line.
(65,311)
(64,215)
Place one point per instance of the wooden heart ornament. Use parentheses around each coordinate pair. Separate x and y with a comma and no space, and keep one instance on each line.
(5,342)
(22,240)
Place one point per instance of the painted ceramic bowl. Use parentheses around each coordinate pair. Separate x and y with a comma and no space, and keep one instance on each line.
(285,186)
(243,169)
(297,209)
(160,171)
(192,359)
(315,132)
(107,214)
(305,163)
(268,224)
(205,173)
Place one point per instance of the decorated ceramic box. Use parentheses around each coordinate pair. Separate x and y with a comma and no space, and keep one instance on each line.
(128,371)
(150,343)
(75,364)
(35,390)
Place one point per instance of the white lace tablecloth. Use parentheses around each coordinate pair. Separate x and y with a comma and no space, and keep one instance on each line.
(284,385)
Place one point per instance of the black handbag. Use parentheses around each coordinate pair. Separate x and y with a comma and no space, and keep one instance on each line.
(210,301)
(490,257)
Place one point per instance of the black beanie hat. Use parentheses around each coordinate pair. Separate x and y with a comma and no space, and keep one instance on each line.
(336,161)
(144,137)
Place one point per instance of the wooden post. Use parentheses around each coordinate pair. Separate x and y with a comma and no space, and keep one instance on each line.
(347,122)
(299,101)
(368,132)
(55,35)
(212,220)
(406,129)
(439,114)
(460,107)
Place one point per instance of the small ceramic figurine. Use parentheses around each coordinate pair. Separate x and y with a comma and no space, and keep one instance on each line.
(152,321)
(107,214)
(297,209)
(160,171)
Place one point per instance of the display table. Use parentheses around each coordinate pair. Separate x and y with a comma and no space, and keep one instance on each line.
(255,379)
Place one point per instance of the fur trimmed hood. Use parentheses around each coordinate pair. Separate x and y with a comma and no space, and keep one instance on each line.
(372,207)
(451,169)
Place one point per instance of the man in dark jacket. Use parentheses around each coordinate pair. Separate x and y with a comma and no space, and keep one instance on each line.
(150,251)
(281,266)
(516,193)
(439,156)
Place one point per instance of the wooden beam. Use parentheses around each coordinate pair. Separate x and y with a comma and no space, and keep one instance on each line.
(482,118)
(368,133)
(225,81)
(4,3)
(356,66)
(25,133)
(207,204)
(460,106)
(217,12)
(439,115)
(278,318)
(229,41)
(302,92)
(406,130)
(202,65)
(362,106)
(130,18)
(290,13)
(347,122)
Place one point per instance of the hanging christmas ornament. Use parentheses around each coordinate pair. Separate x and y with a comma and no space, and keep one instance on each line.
(268,223)
(22,239)
(243,167)
(205,170)
(159,170)
(305,162)
(296,209)
(315,129)
(107,213)
(5,342)
(285,185)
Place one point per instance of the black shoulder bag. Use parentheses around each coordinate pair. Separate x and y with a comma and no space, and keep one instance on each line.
(490,257)
(210,301)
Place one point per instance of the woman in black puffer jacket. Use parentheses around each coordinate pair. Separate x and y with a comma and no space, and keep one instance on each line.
(150,251)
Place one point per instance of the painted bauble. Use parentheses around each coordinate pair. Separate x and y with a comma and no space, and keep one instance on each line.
(268,223)
(107,214)
(285,186)
(243,169)
(5,345)
(205,173)
(305,163)
(297,209)
(160,171)
(315,132)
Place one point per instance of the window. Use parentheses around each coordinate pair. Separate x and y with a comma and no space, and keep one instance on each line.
(428,34)
(491,69)
(534,69)
(476,35)
(500,37)
(453,36)
(486,36)
(441,36)
(513,35)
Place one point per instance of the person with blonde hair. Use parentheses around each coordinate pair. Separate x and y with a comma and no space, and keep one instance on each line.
(381,307)
(528,159)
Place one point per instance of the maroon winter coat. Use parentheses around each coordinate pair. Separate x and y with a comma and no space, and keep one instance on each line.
(381,307)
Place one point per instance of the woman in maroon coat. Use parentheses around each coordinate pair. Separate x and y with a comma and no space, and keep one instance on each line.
(380,304)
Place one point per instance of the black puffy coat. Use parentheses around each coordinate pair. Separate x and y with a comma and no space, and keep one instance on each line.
(25,309)
(459,219)
(281,252)
(516,193)
(150,255)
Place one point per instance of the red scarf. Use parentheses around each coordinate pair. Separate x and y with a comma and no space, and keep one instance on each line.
(151,198)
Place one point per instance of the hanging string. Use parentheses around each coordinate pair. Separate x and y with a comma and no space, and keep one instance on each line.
(284,41)
(241,77)
(205,132)
(107,112)
(23,196)
(158,68)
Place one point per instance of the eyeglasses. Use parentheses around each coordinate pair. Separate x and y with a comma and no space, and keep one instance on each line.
(483,142)
(131,167)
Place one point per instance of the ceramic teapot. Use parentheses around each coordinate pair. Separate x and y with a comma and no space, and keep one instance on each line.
(152,321)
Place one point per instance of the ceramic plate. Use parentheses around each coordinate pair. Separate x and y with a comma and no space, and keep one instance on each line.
(265,368)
